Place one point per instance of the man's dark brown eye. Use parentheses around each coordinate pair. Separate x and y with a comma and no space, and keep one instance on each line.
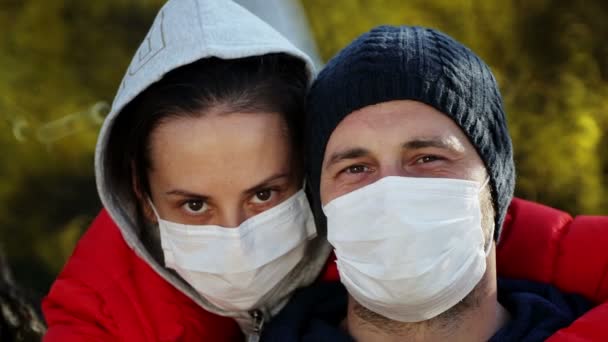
(428,159)
(356,169)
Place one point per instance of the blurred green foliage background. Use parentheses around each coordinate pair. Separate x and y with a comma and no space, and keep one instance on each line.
(62,60)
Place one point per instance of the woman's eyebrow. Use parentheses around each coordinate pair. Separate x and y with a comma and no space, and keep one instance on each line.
(267,181)
(184,193)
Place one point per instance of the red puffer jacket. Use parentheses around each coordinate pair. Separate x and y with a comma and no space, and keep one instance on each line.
(547,245)
(105,292)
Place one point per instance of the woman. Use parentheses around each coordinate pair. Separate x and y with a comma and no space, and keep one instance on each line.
(199,164)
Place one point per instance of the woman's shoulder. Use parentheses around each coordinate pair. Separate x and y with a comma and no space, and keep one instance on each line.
(101,256)
(106,290)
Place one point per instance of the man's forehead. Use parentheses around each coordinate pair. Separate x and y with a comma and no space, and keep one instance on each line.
(406,118)
(387,113)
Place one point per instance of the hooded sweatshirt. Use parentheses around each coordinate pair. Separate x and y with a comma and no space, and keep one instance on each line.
(183,32)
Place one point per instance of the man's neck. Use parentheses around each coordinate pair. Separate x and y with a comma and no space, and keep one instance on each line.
(479,326)
(477,320)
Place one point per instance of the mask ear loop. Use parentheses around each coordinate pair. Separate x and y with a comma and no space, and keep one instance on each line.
(488,244)
(486,182)
(153,208)
(168,257)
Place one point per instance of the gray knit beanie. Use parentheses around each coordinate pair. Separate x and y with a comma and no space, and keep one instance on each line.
(413,63)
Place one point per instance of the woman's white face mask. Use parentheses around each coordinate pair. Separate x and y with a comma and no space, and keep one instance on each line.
(233,268)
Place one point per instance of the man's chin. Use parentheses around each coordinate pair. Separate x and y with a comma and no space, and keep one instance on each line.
(446,320)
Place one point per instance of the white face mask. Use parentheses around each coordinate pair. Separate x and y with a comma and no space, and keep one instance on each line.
(409,248)
(234,267)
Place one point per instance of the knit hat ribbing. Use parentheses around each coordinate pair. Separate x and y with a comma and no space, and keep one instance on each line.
(414,63)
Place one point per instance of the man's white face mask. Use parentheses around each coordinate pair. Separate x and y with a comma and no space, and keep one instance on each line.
(234,268)
(409,248)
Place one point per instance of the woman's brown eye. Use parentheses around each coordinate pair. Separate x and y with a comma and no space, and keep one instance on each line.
(195,206)
(262,196)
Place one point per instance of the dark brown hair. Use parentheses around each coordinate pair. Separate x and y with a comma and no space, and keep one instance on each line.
(273,83)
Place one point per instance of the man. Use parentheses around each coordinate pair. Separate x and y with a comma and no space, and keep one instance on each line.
(411,162)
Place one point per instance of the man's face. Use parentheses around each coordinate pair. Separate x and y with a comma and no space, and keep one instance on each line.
(397,138)
(408,139)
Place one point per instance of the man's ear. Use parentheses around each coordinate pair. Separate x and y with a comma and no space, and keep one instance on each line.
(143,200)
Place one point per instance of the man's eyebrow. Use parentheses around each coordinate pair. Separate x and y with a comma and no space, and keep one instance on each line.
(419,143)
(350,153)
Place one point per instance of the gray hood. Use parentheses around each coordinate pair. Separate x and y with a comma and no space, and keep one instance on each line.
(185,31)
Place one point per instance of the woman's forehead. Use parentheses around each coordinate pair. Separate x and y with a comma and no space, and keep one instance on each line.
(220,151)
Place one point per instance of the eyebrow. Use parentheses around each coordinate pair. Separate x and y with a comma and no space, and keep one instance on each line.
(265,182)
(350,153)
(419,143)
(184,193)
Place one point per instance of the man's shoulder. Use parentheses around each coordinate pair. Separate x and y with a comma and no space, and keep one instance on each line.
(544,244)
(529,240)
(313,313)
(537,310)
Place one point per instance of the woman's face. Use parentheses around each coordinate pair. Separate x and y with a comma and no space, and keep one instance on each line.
(220,169)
